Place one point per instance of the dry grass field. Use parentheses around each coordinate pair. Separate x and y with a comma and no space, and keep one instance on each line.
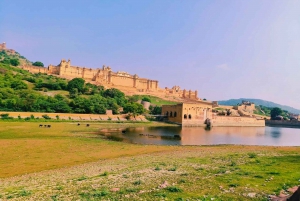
(25,147)
(70,162)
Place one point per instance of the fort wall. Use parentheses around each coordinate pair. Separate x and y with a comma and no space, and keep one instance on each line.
(106,77)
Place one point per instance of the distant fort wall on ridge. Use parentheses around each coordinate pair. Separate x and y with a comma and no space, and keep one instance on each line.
(106,77)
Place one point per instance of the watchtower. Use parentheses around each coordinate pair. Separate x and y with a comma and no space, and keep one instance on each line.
(3,46)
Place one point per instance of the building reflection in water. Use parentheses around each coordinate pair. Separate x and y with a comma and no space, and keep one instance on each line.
(270,136)
(221,135)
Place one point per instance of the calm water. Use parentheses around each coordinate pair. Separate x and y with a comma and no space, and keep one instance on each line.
(271,136)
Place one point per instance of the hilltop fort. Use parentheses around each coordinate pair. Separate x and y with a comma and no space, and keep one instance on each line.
(190,111)
(130,84)
(3,47)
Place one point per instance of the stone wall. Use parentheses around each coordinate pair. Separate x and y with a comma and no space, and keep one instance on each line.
(236,121)
(35,69)
(73,116)
(187,94)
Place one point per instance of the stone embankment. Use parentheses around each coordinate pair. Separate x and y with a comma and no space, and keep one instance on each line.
(283,123)
(73,116)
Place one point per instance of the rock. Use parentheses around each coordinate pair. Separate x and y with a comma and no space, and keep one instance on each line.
(164,185)
(293,189)
(115,189)
(251,195)
(282,194)
(283,197)
(295,196)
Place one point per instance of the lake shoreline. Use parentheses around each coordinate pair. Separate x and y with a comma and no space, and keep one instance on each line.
(74,164)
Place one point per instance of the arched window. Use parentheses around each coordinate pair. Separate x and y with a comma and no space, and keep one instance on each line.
(171,114)
(185,116)
(190,116)
(167,113)
(175,114)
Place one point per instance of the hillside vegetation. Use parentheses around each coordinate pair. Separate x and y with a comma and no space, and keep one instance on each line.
(23,91)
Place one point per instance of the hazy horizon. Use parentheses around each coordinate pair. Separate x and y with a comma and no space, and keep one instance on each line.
(224,49)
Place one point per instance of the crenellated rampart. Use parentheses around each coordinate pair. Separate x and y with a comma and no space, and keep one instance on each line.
(106,77)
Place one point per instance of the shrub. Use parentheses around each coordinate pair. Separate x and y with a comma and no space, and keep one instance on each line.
(146,99)
(173,189)
(252,155)
(45,116)
(38,63)
(172,169)
(4,116)
(137,182)
(104,174)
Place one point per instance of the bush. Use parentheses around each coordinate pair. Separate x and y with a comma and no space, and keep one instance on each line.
(38,63)
(173,189)
(4,116)
(14,62)
(45,116)
(146,99)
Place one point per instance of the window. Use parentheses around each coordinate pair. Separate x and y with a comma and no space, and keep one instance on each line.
(190,116)
(185,116)
(171,114)
(167,113)
(175,114)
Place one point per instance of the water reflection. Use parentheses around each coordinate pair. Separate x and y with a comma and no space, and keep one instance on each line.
(274,136)
(275,132)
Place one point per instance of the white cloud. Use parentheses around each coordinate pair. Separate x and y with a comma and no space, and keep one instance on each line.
(223,67)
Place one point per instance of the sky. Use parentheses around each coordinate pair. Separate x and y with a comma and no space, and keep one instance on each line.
(222,48)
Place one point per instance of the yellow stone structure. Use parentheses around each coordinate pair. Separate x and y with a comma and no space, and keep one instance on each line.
(3,46)
(188,113)
(196,113)
(106,77)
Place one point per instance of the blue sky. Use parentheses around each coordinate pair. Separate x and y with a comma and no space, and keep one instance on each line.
(223,49)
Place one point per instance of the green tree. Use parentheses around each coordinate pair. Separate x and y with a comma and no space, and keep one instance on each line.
(156,110)
(134,108)
(14,62)
(73,93)
(77,83)
(38,63)
(146,99)
(275,112)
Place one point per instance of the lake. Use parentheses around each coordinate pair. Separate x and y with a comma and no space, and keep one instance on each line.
(270,136)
